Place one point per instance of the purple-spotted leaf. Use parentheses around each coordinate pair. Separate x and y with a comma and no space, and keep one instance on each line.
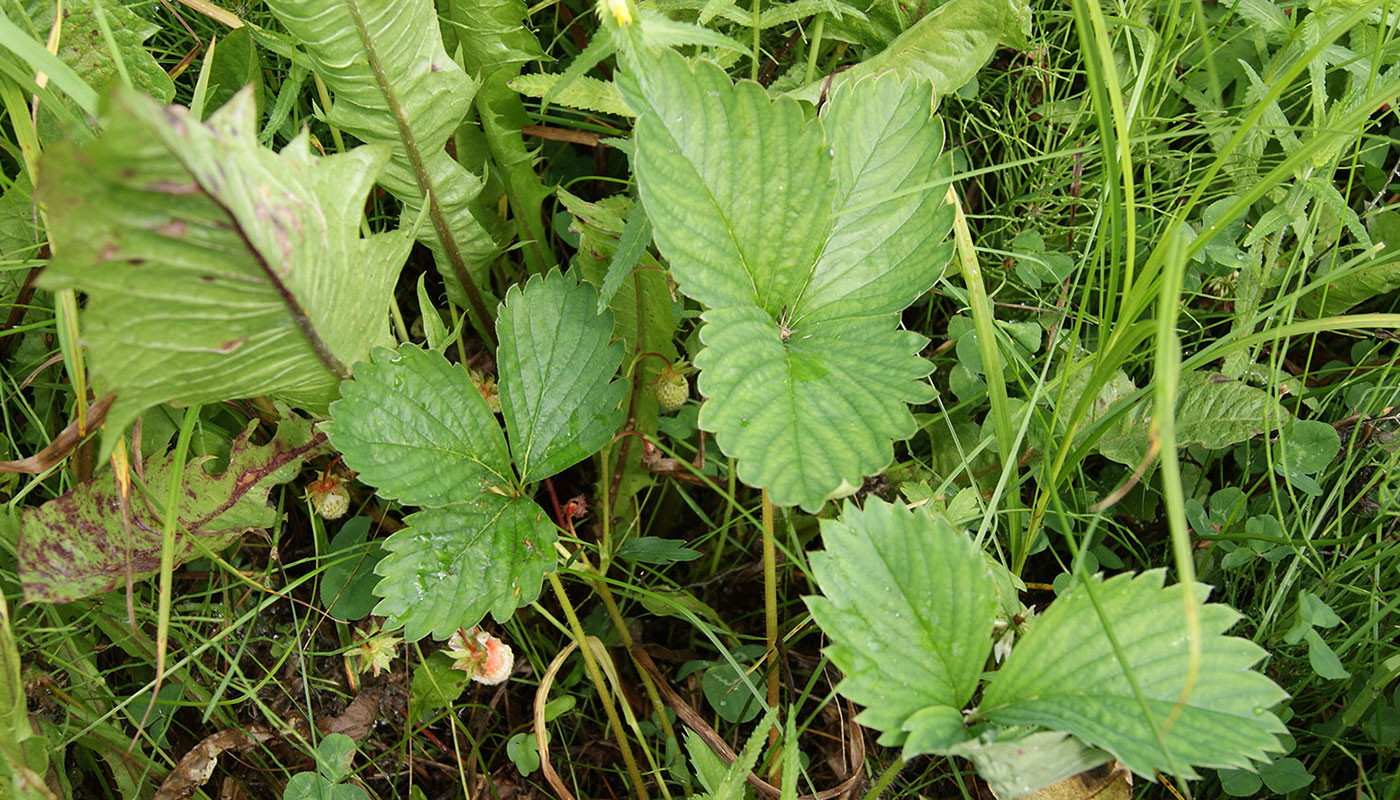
(215,268)
(75,545)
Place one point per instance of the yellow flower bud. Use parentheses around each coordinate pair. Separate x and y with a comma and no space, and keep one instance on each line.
(620,11)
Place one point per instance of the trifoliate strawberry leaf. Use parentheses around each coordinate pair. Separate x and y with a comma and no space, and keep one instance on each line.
(214,268)
(805,239)
(1064,675)
(556,363)
(908,605)
(417,429)
(453,565)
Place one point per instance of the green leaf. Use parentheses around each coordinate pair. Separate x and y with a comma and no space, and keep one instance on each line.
(908,604)
(1311,445)
(523,751)
(1314,611)
(84,48)
(75,545)
(1240,782)
(726,782)
(214,268)
(436,685)
(636,235)
(1323,659)
(1285,776)
(1211,411)
(347,585)
(1021,766)
(556,363)
(411,95)
(416,429)
(434,331)
(769,15)
(1372,279)
(333,756)
(655,550)
(236,64)
(495,43)
(728,693)
(492,34)
(804,239)
(945,48)
(584,92)
(709,768)
(1064,675)
(453,565)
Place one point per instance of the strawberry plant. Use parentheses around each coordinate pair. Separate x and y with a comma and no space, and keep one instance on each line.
(911,606)
(416,429)
(896,397)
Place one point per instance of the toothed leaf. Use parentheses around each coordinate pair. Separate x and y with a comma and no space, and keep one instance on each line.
(805,239)
(557,364)
(908,606)
(1064,675)
(452,566)
(415,427)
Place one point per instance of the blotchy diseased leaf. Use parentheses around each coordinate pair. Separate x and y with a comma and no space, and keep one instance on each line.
(214,268)
(74,545)
(908,605)
(1211,411)
(453,565)
(1064,675)
(83,47)
(417,429)
(556,363)
(804,239)
(432,95)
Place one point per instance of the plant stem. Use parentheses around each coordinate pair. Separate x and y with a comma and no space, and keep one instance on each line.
(596,675)
(649,686)
(167,548)
(984,323)
(770,621)
(814,48)
(756,32)
(886,778)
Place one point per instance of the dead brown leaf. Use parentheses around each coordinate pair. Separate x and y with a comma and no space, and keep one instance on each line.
(63,444)
(198,764)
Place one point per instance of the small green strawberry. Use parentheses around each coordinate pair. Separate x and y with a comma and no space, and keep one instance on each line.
(672,387)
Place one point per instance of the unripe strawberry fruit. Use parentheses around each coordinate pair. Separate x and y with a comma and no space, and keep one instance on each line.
(328,496)
(672,387)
